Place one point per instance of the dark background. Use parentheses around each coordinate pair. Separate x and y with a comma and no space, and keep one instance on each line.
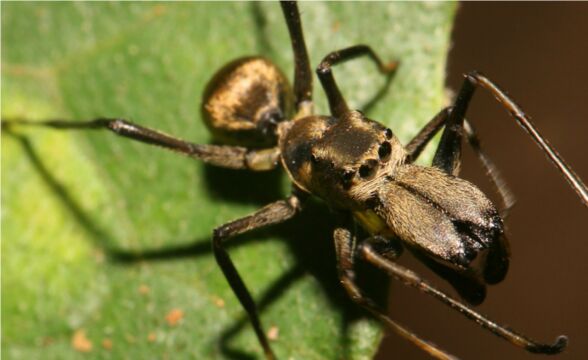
(538,53)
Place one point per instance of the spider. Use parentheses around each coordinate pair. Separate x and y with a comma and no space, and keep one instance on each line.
(360,169)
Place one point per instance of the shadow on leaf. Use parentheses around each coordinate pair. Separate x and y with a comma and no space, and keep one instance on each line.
(309,236)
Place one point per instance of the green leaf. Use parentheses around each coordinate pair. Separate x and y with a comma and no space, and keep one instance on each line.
(107,237)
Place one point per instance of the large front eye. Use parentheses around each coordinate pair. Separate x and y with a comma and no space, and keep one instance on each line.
(368,169)
(384,151)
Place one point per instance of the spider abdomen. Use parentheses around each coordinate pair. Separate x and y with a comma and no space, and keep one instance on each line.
(244,101)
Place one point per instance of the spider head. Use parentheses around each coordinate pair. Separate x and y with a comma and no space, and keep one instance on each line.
(336,158)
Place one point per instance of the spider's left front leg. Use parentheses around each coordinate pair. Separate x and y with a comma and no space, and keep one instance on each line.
(367,250)
(426,134)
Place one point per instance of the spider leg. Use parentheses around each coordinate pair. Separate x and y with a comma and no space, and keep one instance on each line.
(449,150)
(337,103)
(271,214)
(233,157)
(302,71)
(506,197)
(269,296)
(345,260)
(367,252)
(420,141)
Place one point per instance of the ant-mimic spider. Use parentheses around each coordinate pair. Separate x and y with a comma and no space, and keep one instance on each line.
(361,170)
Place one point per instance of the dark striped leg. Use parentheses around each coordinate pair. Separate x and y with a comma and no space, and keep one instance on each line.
(420,141)
(448,153)
(302,71)
(345,261)
(367,252)
(233,157)
(337,103)
(271,214)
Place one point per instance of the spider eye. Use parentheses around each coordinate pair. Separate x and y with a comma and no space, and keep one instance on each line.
(388,134)
(368,169)
(385,150)
(313,158)
(348,175)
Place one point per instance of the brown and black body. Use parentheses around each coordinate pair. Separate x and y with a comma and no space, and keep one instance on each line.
(358,167)
(356,164)
(245,100)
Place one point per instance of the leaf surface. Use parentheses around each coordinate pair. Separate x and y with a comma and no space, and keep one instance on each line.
(106,243)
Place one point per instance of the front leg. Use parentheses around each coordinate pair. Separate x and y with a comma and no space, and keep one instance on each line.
(271,214)
(345,262)
(367,251)
(426,134)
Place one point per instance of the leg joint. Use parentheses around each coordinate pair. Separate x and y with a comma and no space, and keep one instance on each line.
(324,68)
(116,125)
(473,76)
(218,235)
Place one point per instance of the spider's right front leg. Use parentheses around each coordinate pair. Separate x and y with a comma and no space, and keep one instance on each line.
(271,214)
(232,157)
